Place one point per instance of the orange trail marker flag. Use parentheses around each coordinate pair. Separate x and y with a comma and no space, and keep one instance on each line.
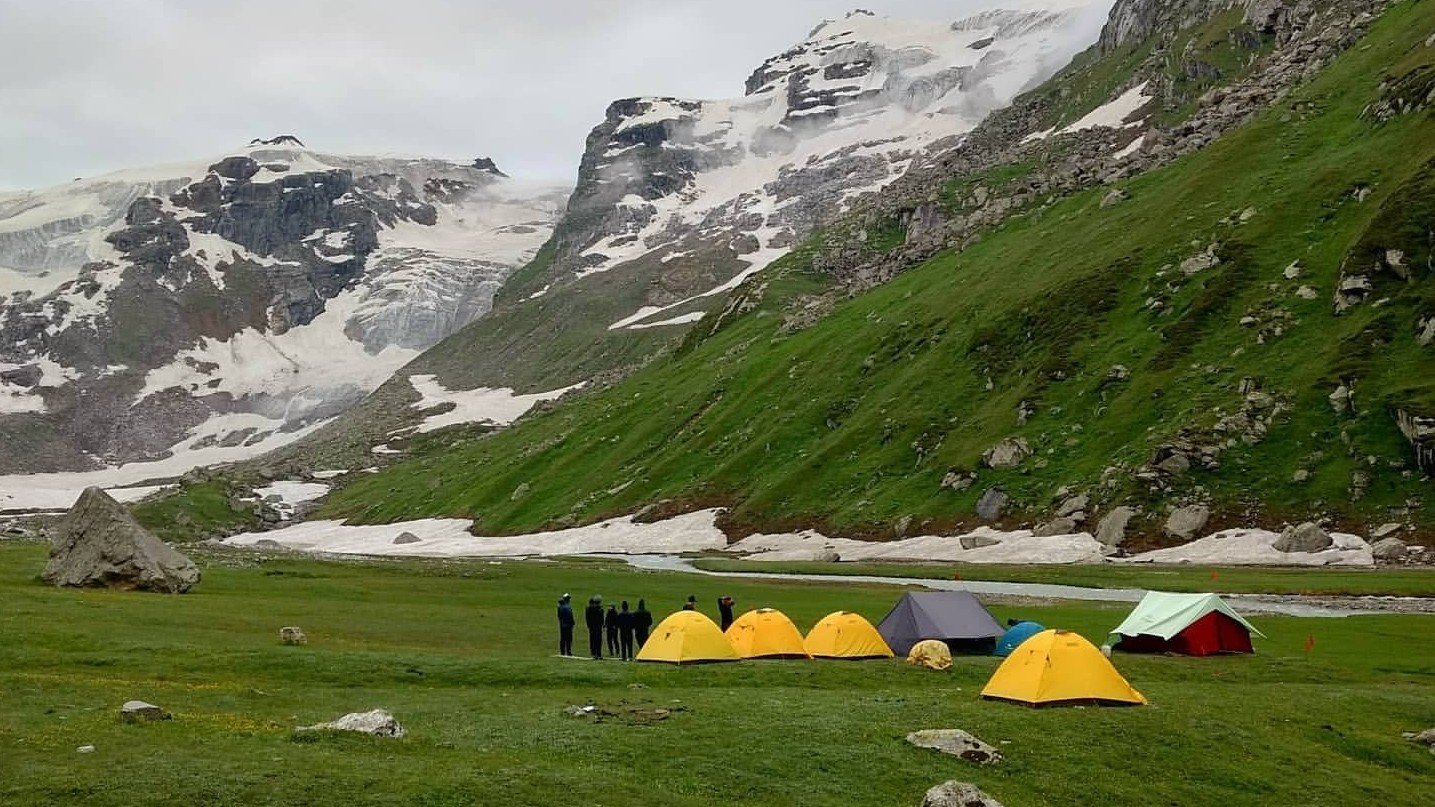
(1309,642)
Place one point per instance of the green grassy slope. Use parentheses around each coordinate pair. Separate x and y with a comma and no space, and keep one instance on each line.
(851,424)
(462,652)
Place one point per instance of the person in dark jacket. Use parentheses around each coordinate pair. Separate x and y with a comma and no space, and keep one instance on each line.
(593,617)
(642,623)
(725,611)
(610,624)
(625,632)
(565,626)
(692,603)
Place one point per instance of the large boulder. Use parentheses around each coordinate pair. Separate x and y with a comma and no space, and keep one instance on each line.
(958,794)
(1057,526)
(99,544)
(992,503)
(1111,530)
(1185,522)
(1389,549)
(1307,537)
(956,742)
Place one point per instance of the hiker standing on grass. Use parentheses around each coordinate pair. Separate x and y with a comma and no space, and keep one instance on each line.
(625,632)
(611,624)
(692,603)
(565,626)
(593,616)
(642,623)
(725,611)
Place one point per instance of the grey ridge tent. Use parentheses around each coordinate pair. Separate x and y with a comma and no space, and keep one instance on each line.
(954,617)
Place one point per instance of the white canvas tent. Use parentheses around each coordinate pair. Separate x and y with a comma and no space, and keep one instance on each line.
(1194,624)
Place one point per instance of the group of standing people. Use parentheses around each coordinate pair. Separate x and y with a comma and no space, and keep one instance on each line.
(625,630)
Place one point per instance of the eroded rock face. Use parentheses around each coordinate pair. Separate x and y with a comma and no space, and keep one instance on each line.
(99,544)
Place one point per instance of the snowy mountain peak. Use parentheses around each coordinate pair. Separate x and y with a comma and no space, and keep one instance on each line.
(733,183)
(272,287)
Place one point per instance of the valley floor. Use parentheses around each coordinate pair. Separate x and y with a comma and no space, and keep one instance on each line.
(462,653)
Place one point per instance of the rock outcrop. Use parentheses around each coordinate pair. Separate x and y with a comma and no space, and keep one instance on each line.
(99,544)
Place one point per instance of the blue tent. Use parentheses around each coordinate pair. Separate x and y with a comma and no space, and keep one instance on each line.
(1015,635)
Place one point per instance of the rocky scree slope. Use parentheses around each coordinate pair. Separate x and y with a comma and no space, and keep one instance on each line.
(678,201)
(1183,338)
(213,309)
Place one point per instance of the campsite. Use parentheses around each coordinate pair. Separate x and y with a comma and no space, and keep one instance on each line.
(462,654)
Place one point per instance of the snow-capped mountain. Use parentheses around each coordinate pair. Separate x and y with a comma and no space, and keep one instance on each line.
(231,302)
(704,193)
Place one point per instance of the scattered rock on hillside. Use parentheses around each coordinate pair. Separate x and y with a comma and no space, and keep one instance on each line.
(1389,549)
(406,538)
(1114,197)
(1342,400)
(1202,261)
(827,556)
(1111,530)
(1386,530)
(1057,526)
(977,541)
(1009,453)
(1306,293)
(1185,522)
(1117,374)
(141,712)
(292,636)
(958,794)
(958,480)
(377,723)
(956,742)
(1074,506)
(98,543)
(1307,537)
(269,544)
(992,503)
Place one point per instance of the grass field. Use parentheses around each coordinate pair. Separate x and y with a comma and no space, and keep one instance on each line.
(462,654)
(1411,582)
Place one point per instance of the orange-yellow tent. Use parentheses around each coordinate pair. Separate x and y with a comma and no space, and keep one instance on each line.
(1057,666)
(845,635)
(766,633)
(687,637)
(932,654)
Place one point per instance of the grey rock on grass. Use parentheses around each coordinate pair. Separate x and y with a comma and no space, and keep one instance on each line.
(956,742)
(376,723)
(1307,537)
(958,794)
(99,544)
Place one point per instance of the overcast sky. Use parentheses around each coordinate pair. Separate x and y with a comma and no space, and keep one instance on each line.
(89,86)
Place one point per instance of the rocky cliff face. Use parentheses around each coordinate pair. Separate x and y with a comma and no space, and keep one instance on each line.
(226,303)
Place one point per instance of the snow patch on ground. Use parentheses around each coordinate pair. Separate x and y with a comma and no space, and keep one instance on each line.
(1249,547)
(693,532)
(497,406)
(1114,113)
(1009,547)
(681,319)
(289,494)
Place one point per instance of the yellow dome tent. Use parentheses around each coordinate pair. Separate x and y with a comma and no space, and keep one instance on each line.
(766,633)
(845,635)
(687,637)
(1058,666)
(932,654)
